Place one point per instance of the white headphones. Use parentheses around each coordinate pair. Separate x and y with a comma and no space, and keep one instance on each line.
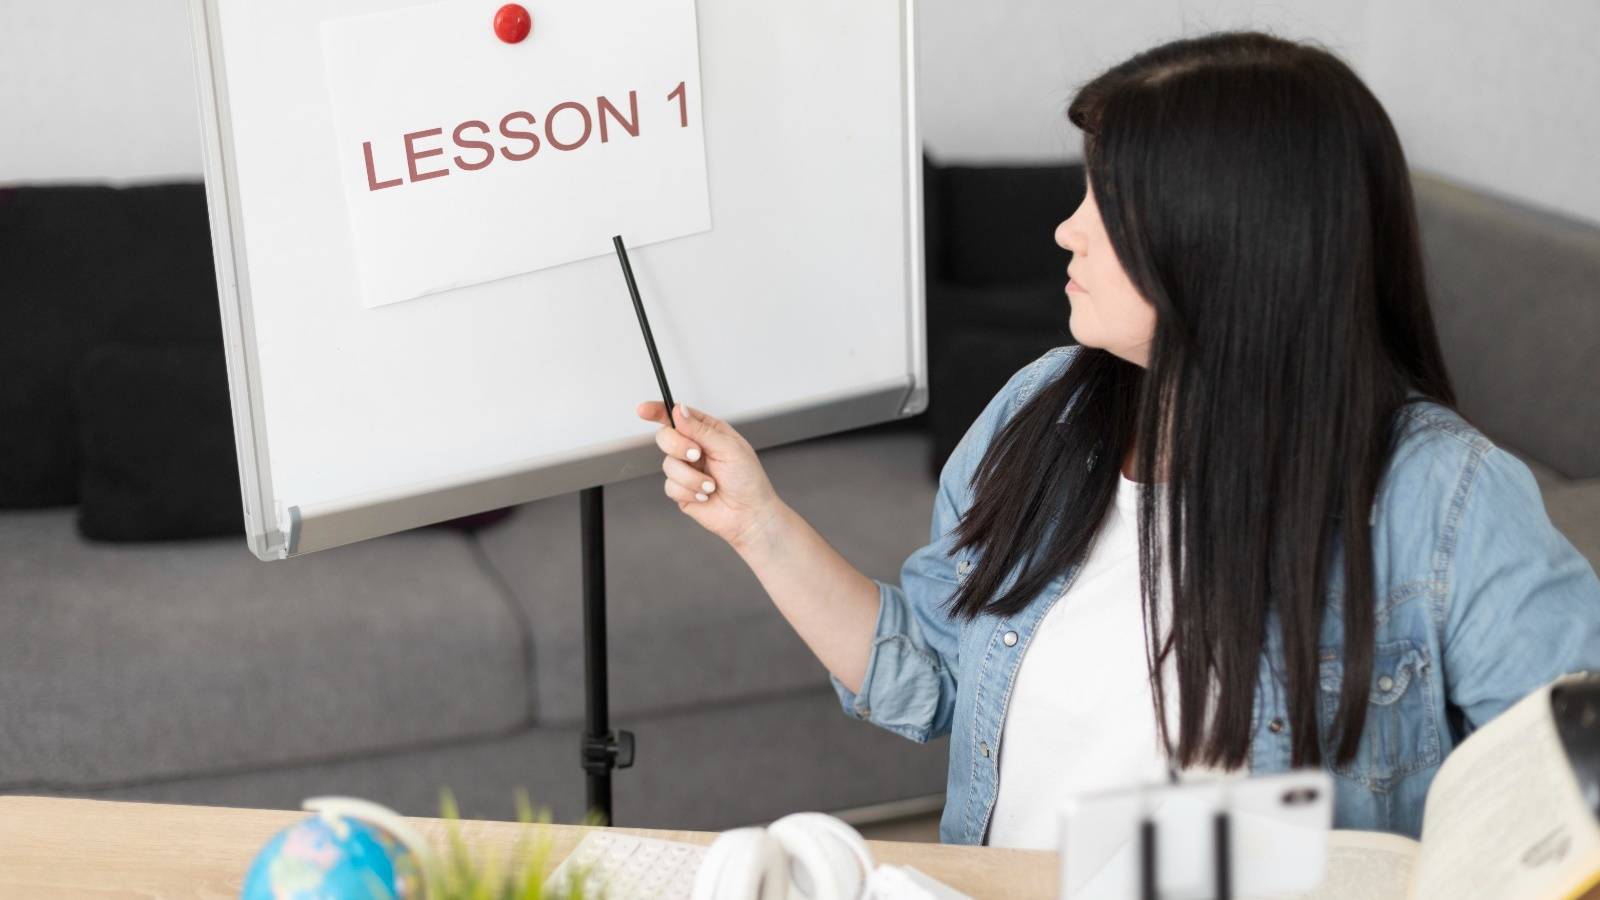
(804,856)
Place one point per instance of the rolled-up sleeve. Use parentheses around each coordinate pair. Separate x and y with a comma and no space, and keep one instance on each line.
(910,683)
(909,687)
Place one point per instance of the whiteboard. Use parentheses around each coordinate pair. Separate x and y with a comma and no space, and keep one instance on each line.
(798,313)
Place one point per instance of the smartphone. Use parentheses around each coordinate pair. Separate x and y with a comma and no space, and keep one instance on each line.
(1275,838)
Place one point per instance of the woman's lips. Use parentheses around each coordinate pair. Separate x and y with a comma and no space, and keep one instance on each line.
(1075,288)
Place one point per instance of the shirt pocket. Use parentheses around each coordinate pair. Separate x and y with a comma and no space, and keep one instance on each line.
(1401,733)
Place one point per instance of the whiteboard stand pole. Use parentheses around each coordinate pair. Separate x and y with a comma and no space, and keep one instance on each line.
(602,749)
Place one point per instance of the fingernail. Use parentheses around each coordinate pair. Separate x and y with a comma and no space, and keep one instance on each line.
(707,486)
(701,497)
(693,454)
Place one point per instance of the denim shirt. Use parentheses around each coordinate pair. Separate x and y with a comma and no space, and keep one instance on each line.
(1480,600)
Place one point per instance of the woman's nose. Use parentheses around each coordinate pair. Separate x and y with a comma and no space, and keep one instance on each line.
(1066,236)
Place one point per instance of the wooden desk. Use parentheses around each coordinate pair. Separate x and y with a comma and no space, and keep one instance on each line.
(92,848)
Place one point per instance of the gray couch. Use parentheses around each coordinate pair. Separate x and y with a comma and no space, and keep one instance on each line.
(1516,297)
(190,672)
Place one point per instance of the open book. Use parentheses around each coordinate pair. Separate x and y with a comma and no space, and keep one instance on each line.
(1504,818)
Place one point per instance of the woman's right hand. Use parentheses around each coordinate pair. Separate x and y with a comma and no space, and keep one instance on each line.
(712,473)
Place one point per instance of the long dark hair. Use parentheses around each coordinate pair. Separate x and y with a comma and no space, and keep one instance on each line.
(1256,194)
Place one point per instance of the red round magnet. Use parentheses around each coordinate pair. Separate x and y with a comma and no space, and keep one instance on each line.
(512,23)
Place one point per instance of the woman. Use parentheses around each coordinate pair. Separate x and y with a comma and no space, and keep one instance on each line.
(1239,527)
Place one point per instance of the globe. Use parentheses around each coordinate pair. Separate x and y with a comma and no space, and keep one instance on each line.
(334,856)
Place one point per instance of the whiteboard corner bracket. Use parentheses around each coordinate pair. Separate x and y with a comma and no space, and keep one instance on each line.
(291,531)
(916,400)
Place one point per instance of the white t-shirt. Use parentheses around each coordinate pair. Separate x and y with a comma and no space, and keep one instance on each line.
(1081,717)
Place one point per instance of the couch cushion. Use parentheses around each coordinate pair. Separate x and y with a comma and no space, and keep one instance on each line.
(968,367)
(1575,509)
(128,662)
(688,624)
(1036,307)
(999,222)
(80,265)
(156,448)
(712,768)
(169,292)
(50,239)
(1545,476)
(1518,312)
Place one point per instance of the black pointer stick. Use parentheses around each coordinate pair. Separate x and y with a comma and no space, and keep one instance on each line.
(644,325)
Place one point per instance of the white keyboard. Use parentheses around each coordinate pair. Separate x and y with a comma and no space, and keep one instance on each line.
(624,867)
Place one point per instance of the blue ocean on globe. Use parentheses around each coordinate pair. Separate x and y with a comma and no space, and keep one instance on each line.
(333,858)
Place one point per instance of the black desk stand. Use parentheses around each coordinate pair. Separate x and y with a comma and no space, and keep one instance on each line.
(1221,835)
(602,750)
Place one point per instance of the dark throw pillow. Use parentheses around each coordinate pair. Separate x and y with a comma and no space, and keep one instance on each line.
(155,443)
(999,222)
(81,266)
(958,393)
(54,243)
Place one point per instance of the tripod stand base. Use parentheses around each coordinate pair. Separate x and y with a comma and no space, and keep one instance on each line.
(601,749)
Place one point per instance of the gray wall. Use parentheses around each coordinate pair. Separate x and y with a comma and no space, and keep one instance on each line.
(97,90)
(1500,96)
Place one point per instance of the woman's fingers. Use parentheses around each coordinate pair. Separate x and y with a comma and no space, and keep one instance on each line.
(675,445)
(677,442)
(682,494)
(700,432)
(688,477)
(715,435)
(652,411)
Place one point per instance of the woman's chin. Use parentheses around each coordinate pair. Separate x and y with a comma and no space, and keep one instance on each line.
(1079,333)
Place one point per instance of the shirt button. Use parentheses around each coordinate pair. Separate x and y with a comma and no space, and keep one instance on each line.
(1385,683)
(983,749)
(1010,638)
(865,712)
(1275,726)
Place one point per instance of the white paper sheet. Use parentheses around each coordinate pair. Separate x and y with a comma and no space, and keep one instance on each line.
(491,215)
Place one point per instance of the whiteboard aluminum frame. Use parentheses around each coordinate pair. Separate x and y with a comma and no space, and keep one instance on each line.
(275,531)
(262,529)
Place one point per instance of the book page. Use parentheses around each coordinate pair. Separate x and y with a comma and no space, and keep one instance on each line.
(1504,816)
(1368,865)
